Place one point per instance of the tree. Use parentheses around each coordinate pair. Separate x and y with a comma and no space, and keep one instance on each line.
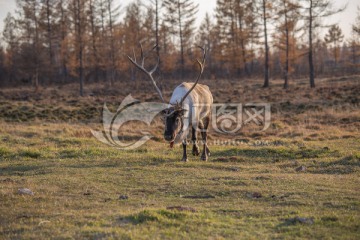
(313,12)
(354,41)
(132,30)
(235,24)
(334,37)
(242,15)
(226,54)
(320,54)
(157,7)
(2,66)
(148,28)
(180,17)
(29,15)
(113,13)
(265,8)
(79,23)
(11,38)
(207,38)
(356,25)
(48,13)
(169,53)
(95,36)
(62,31)
(288,16)
(253,33)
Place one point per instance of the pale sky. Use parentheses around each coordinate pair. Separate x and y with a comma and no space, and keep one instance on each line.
(344,19)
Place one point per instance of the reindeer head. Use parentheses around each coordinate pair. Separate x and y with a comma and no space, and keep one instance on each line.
(174,121)
(174,115)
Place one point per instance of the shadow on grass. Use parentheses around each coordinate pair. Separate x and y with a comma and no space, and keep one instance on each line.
(151,216)
(64,142)
(122,162)
(21,170)
(276,153)
(296,221)
(87,165)
(24,153)
(346,165)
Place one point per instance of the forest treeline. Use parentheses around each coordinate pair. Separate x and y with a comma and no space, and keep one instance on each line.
(46,42)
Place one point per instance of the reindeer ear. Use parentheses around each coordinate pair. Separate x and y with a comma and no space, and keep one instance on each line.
(182,111)
(167,112)
(164,111)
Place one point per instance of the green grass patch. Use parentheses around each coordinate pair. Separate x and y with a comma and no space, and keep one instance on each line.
(85,189)
(29,153)
(4,152)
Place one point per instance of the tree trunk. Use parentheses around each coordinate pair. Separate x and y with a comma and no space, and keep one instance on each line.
(93,38)
(266,70)
(49,32)
(36,45)
(335,53)
(243,47)
(311,63)
(182,61)
(157,27)
(112,46)
(80,46)
(286,73)
(36,79)
(63,68)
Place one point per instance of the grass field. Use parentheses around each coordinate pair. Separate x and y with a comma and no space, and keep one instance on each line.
(298,180)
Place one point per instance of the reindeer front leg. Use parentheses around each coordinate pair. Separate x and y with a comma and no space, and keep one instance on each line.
(204,126)
(184,158)
(205,153)
(195,150)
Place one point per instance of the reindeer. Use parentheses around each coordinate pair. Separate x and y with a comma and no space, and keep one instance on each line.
(189,108)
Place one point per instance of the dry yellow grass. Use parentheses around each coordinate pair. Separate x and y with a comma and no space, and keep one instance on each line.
(297,180)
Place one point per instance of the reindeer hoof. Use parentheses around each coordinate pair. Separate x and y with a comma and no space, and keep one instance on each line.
(195,150)
(208,151)
(204,157)
(184,160)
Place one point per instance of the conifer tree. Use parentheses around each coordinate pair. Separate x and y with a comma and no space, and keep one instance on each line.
(180,17)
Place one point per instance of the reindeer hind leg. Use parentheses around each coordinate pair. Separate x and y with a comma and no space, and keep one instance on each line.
(184,158)
(195,150)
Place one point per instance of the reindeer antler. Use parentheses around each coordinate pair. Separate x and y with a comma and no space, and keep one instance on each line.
(202,65)
(148,73)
